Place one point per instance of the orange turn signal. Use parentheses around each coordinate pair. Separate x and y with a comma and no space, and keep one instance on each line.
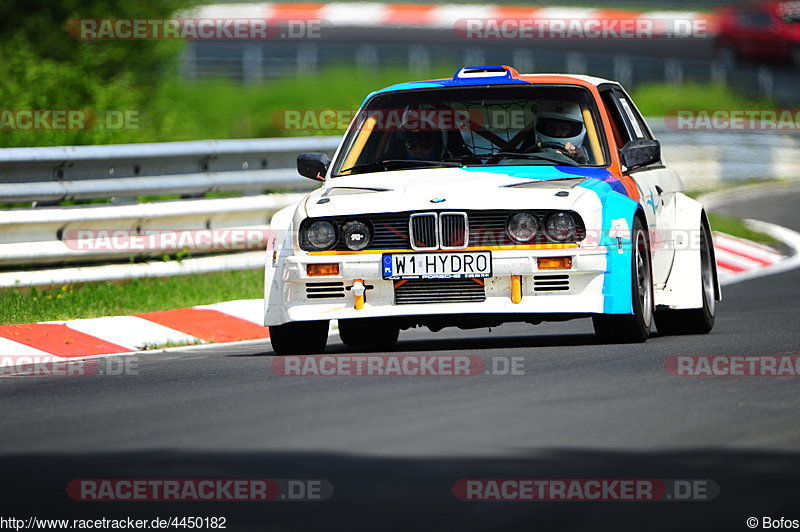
(316,270)
(555,263)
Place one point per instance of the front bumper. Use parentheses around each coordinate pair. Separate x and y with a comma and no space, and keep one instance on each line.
(288,296)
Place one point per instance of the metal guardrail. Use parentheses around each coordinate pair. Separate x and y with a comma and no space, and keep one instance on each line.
(704,159)
(130,170)
(38,238)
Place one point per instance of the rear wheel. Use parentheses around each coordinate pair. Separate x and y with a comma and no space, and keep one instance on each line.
(632,328)
(368,332)
(701,320)
(299,337)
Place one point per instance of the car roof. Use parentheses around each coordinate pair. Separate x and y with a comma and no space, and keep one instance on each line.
(496,75)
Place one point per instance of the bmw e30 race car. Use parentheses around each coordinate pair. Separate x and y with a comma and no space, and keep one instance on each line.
(487,198)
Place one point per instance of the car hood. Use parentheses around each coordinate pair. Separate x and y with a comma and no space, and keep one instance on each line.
(497,187)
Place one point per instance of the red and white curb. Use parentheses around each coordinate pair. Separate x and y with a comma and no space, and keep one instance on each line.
(230,321)
(430,16)
(737,255)
(241,320)
(739,260)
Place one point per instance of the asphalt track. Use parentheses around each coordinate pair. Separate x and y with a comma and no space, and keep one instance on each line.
(392,447)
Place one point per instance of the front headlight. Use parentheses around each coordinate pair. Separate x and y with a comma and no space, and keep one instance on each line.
(321,235)
(356,235)
(561,226)
(522,227)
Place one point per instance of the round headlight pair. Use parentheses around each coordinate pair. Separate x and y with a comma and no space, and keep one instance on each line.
(322,235)
(523,227)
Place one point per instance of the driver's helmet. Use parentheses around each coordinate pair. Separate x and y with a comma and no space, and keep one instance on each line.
(559,123)
(422,145)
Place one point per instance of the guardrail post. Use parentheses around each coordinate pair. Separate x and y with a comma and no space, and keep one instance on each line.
(188,62)
(307,58)
(419,59)
(367,57)
(766,83)
(673,72)
(523,60)
(576,63)
(252,71)
(623,70)
(718,73)
(474,56)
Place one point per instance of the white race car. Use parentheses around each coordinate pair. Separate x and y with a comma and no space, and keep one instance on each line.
(487,198)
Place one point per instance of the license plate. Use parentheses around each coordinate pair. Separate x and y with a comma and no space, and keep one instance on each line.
(473,265)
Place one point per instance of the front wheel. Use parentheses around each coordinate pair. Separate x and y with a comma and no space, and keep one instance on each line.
(632,328)
(368,332)
(701,320)
(299,337)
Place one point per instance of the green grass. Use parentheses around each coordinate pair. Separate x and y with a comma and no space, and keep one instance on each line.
(736,227)
(91,300)
(165,345)
(223,109)
(659,99)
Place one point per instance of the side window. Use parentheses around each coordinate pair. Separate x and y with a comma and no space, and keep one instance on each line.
(636,120)
(620,128)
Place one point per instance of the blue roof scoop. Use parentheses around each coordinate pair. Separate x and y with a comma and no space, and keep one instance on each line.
(494,71)
(486,75)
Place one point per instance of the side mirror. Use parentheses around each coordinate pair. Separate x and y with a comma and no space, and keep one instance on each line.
(640,152)
(313,165)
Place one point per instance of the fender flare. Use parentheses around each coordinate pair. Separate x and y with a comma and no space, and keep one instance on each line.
(684,289)
(279,246)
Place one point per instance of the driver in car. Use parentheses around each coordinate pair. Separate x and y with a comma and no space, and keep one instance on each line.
(422,145)
(559,126)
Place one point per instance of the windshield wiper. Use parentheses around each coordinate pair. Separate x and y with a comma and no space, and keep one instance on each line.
(387,163)
(513,155)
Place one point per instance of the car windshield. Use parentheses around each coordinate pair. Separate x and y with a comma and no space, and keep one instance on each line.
(474,126)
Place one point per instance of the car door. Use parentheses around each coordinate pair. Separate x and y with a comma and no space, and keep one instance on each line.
(657,184)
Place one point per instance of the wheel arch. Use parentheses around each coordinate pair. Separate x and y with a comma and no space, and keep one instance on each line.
(683,289)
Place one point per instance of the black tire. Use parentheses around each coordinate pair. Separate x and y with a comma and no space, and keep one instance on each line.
(632,328)
(368,332)
(299,337)
(701,320)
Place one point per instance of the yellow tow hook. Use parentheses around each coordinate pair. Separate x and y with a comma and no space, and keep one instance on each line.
(358,293)
(516,289)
